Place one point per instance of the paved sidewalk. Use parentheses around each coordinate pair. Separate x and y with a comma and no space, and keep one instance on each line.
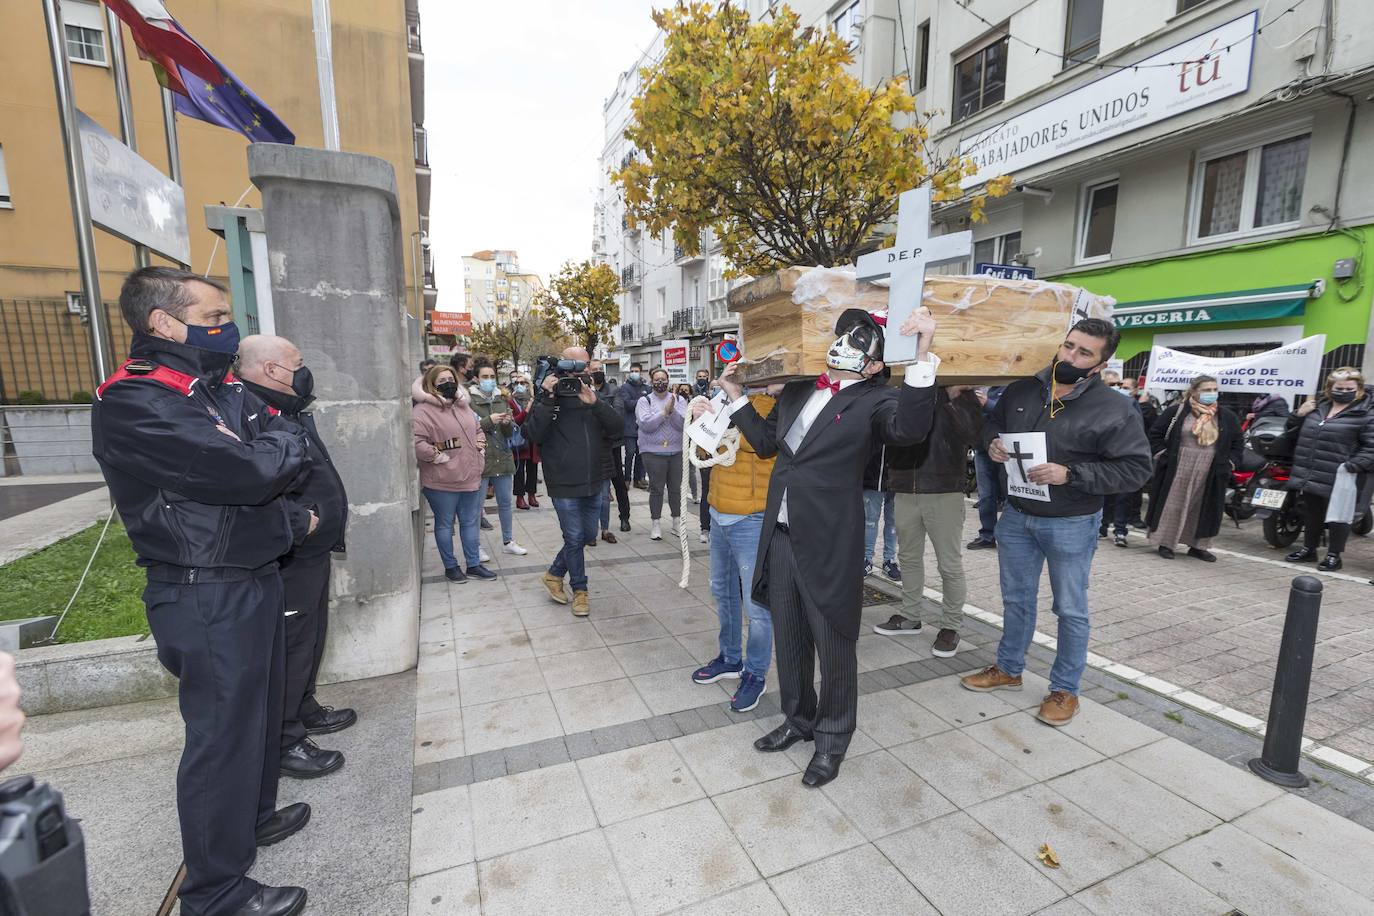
(1214,628)
(571,766)
(38,511)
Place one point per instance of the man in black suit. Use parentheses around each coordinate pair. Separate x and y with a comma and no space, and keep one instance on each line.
(809,571)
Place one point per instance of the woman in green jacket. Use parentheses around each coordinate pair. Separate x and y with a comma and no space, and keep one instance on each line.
(494,411)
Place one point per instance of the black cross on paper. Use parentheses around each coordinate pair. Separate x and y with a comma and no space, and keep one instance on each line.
(1020,457)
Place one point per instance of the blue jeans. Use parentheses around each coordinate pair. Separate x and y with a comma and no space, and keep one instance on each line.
(1025,543)
(577,517)
(734,547)
(467,507)
(604,505)
(505,502)
(878,503)
(990,498)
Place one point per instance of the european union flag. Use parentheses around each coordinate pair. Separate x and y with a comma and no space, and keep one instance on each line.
(232,105)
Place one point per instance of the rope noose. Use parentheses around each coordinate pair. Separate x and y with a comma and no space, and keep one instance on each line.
(724,457)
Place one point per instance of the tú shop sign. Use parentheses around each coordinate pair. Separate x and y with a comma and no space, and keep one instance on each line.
(1206,69)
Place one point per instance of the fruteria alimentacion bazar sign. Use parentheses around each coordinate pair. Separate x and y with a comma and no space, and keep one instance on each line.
(1210,67)
(450,322)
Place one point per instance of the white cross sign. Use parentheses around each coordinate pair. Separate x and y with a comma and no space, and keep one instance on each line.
(905,262)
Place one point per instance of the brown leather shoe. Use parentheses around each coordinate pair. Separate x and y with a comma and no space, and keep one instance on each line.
(1058,709)
(608,537)
(991,678)
(555,586)
(580,606)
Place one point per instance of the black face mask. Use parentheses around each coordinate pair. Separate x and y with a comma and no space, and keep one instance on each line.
(703,384)
(661,386)
(447,389)
(302,382)
(1344,397)
(1068,373)
(598,378)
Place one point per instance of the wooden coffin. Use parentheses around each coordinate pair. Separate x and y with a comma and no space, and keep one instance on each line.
(990,331)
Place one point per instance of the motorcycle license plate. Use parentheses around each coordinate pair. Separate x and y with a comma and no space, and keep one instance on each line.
(1269,499)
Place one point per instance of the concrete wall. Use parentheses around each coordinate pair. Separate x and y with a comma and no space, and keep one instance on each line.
(53,439)
(335,246)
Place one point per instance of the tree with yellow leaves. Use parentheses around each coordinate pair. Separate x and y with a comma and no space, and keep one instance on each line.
(580,303)
(758,131)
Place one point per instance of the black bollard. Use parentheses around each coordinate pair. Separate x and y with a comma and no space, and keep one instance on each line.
(1278,762)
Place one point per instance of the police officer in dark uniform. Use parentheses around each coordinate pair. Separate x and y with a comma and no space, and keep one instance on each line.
(197,468)
(273,369)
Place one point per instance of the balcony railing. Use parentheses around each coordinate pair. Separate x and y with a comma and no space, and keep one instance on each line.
(627,333)
(413,33)
(629,277)
(685,320)
(421,146)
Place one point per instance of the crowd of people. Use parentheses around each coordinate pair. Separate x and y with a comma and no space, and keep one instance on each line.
(234,507)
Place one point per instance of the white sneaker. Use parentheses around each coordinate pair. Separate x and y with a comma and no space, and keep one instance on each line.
(484,556)
(655,531)
(512,547)
(704,537)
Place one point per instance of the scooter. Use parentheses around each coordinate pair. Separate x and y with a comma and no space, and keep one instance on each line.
(1282,509)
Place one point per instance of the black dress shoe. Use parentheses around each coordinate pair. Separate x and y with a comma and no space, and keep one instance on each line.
(307,760)
(781,738)
(328,719)
(274,901)
(1302,555)
(284,823)
(624,524)
(1331,563)
(822,769)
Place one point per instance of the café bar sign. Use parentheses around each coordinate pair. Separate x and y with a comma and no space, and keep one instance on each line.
(1206,69)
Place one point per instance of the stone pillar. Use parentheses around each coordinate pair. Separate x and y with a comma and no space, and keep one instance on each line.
(334,241)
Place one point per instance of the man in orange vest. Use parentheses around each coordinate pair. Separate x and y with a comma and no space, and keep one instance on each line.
(738,497)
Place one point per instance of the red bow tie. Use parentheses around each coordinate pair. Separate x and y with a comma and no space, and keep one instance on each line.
(825,381)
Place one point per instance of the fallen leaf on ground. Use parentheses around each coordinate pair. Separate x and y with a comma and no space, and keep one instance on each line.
(1047,855)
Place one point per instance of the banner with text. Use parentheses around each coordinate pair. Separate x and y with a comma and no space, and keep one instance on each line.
(1287,370)
(674,359)
(1205,69)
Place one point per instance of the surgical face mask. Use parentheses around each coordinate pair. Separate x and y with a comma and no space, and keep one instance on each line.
(521,389)
(1068,373)
(661,385)
(1121,389)
(220,338)
(634,376)
(1206,398)
(447,389)
(487,385)
(1343,397)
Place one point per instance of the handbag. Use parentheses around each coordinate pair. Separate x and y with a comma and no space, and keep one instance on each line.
(516,440)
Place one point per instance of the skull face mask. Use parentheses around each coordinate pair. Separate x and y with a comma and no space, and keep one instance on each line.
(856,346)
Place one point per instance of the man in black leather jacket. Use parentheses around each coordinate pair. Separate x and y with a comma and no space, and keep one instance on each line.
(273,369)
(197,469)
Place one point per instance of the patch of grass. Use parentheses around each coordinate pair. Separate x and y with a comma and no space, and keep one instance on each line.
(1122,695)
(1174,716)
(111,601)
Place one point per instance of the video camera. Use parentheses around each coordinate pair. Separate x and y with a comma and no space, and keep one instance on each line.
(42,853)
(567,371)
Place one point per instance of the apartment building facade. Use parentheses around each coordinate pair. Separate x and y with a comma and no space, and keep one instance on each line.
(495,288)
(379,87)
(1196,159)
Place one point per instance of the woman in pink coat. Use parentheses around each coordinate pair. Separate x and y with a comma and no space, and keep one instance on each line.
(449,447)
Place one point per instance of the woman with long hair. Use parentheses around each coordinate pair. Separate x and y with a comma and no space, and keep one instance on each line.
(660,415)
(1333,430)
(450,450)
(1196,444)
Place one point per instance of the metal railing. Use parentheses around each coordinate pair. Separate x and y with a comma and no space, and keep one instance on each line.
(627,332)
(45,351)
(629,276)
(413,33)
(421,146)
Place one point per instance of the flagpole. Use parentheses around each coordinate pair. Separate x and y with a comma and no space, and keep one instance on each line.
(126,105)
(324,65)
(76,185)
(169,129)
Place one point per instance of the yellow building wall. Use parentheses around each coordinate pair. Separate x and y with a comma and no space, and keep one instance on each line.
(269,45)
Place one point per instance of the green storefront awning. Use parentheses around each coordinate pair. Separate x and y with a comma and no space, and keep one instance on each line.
(1216,308)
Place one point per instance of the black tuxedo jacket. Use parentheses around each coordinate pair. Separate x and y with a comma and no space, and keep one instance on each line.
(824,484)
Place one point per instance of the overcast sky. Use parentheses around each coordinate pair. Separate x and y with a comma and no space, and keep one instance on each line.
(513,95)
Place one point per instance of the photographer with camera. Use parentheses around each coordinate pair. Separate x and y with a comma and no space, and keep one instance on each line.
(198,467)
(573,429)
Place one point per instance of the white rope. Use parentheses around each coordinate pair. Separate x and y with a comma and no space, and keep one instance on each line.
(52,637)
(724,456)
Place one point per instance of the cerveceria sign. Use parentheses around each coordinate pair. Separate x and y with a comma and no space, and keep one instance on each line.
(1207,68)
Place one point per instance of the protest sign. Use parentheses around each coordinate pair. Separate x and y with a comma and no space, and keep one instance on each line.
(1287,370)
(1026,450)
(708,429)
(673,357)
